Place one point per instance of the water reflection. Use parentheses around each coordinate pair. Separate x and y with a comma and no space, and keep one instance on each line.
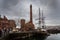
(28,38)
(33,38)
(53,37)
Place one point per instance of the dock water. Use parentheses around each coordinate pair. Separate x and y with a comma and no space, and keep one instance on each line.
(25,36)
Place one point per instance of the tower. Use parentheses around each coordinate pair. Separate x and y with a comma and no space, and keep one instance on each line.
(31,13)
(22,23)
(30,25)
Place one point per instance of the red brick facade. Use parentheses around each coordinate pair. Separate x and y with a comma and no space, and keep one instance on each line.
(5,23)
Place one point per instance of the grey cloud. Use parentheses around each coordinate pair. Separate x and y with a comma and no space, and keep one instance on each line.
(9,3)
(20,8)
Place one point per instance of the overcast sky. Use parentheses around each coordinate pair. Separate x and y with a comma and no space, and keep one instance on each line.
(17,9)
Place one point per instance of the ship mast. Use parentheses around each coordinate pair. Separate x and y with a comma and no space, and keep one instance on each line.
(39,18)
(43,23)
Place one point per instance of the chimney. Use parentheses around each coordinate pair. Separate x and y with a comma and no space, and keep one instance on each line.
(31,13)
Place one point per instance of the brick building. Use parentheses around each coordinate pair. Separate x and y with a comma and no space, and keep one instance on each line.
(5,23)
(12,23)
(28,26)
